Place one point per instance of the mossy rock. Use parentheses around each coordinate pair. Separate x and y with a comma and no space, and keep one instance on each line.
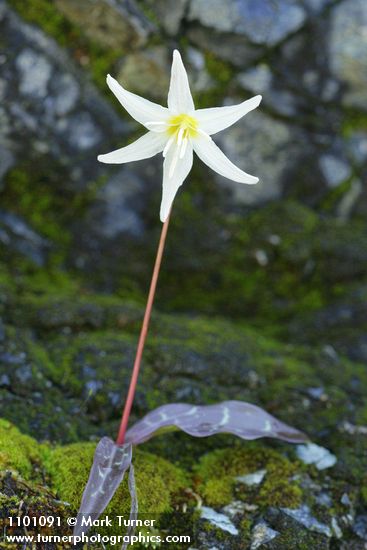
(217,471)
(18,452)
(157,480)
(19,497)
(26,466)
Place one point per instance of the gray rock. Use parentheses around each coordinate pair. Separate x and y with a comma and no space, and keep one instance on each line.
(2,9)
(360,527)
(200,80)
(331,89)
(261,534)
(113,23)
(283,102)
(169,13)
(315,83)
(260,80)
(218,520)
(262,147)
(2,331)
(352,430)
(324,500)
(336,529)
(262,21)
(2,86)
(115,205)
(154,63)
(52,105)
(335,169)
(317,393)
(235,508)
(347,50)
(357,146)
(314,454)
(349,200)
(358,350)
(16,234)
(6,160)
(12,359)
(80,131)
(34,73)
(315,6)
(304,516)
(24,373)
(5,380)
(257,79)
(346,500)
(227,46)
(65,92)
(93,386)
(252,479)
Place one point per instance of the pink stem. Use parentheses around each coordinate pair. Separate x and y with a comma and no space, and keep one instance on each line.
(143,334)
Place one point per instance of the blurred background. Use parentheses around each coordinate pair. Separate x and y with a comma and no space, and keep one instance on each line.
(279,248)
(268,280)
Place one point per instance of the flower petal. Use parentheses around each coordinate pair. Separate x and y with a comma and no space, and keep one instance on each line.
(173,180)
(218,118)
(143,148)
(210,153)
(139,108)
(179,95)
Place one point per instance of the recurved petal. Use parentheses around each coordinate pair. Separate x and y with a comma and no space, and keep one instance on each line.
(143,148)
(218,118)
(210,153)
(179,95)
(173,179)
(139,108)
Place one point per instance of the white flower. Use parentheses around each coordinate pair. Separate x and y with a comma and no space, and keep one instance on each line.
(178,131)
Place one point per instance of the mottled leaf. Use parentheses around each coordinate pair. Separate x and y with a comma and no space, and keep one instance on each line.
(133,506)
(236,417)
(111,461)
(109,466)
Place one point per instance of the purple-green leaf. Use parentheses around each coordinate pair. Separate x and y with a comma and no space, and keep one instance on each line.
(111,461)
(109,466)
(236,417)
(133,507)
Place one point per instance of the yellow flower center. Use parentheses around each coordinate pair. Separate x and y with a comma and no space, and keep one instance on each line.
(182,127)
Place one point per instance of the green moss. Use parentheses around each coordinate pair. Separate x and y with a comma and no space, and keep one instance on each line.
(217,470)
(45,14)
(17,451)
(354,120)
(37,196)
(218,69)
(39,356)
(157,480)
(19,195)
(306,263)
(147,7)
(222,75)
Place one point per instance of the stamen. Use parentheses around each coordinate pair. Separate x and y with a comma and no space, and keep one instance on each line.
(180,136)
(168,145)
(183,147)
(173,163)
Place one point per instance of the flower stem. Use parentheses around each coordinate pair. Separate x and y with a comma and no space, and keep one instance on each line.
(143,334)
